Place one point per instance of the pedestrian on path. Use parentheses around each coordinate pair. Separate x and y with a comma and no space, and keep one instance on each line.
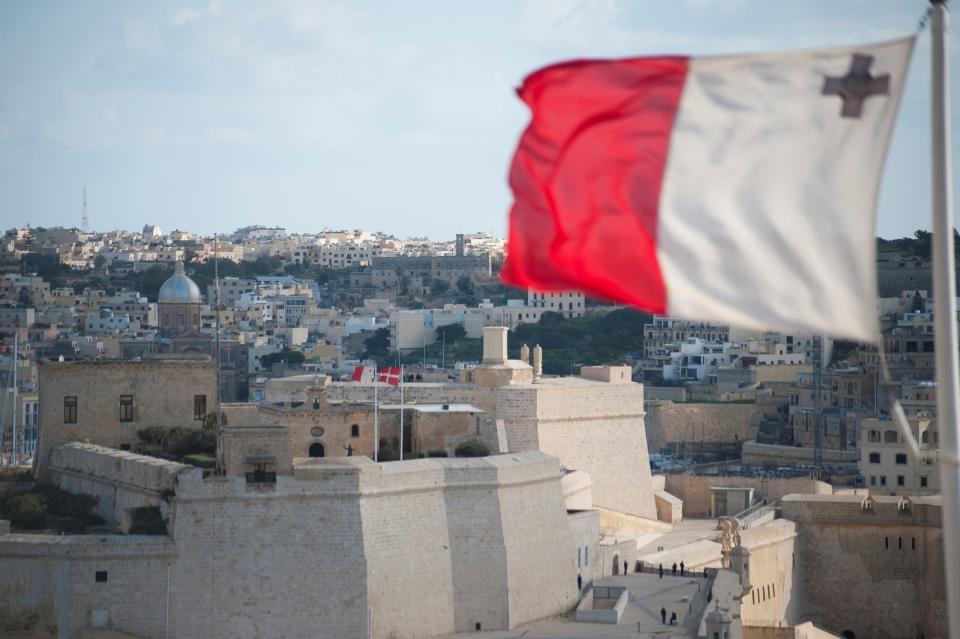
(661,571)
(579,583)
(674,569)
(625,564)
(681,569)
(663,616)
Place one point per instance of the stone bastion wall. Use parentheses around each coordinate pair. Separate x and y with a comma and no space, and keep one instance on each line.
(669,423)
(344,547)
(873,566)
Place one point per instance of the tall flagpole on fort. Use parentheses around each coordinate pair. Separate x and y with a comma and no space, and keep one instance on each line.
(945,309)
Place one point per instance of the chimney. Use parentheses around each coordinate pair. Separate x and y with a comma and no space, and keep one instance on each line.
(525,354)
(537,361)
(494,345)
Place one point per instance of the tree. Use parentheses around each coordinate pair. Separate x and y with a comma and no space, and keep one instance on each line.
(465,285)
(378,344)
(24,298)
(451,333)
(923,247)
(99,261)
(288,357)
(439,287)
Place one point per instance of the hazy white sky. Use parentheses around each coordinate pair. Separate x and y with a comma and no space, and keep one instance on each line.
(393,116)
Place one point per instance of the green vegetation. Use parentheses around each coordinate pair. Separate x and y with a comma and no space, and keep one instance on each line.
(200,460)
(47,506)
(592,340)
(286,356)
(920,245)
(436,453)
(378,344)
(178,444)
(452,333)
(147,520)
(472,448)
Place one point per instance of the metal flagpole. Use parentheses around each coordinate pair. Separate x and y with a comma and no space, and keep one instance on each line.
(945,310)
(14,453)
(376,416)
(401,412)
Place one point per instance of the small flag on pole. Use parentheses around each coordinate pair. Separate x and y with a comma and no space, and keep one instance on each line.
(739,189)
(389,375)
(362,374)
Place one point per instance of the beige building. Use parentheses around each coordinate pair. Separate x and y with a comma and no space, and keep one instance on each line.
(106,402)
(886,462)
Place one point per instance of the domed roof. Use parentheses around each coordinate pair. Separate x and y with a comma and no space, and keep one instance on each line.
(179,289)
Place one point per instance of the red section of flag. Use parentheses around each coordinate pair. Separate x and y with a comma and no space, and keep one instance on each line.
(389,375)
(586,178)
(357,374)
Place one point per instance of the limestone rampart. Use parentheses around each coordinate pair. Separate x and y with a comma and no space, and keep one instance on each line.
(668,423)
(870,565)
(120,480)
(344,547)
(694,490)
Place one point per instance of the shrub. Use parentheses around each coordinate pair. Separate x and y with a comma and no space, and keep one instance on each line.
(436,453)
(472,448)
(201,460)
(147,520)
(187,441)
(152,437)
(27,512)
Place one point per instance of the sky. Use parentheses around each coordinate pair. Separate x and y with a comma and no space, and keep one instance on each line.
(386,116)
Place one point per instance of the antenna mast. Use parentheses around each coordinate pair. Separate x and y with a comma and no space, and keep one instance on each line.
(83,220)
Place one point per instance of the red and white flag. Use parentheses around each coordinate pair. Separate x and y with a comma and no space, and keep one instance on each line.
(362,374)
(389,375)
(739,189)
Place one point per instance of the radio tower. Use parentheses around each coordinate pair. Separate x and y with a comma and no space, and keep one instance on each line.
(83,220)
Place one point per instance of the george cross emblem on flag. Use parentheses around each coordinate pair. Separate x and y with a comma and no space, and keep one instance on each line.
(857,85)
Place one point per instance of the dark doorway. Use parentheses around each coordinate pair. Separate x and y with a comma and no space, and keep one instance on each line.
(616,564)
(848,634)
(316,450)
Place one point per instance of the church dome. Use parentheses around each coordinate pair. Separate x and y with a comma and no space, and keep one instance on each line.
(179,289)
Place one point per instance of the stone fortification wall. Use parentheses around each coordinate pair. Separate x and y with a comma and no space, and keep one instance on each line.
(590,426)
(669,423)
(876,571)
(694,490)
(585,528)
(344,547)
(771,600)
(49,583)
(120,480)
(754,454)
(418,393)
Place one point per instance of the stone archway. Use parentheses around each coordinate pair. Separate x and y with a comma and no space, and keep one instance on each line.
(848,634)
(616,564)
(316,450)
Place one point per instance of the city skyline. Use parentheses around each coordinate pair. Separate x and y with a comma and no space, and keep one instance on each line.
(305,115)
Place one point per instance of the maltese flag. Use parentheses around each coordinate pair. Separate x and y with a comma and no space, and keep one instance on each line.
(738,189)
(362,374)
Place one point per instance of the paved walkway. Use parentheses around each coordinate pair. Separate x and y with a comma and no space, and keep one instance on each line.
(640,620)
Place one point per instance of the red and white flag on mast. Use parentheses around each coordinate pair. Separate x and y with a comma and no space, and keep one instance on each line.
(739,189)
(389,375)
(363,374)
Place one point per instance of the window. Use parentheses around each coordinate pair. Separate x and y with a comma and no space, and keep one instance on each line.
(890,437)
(901,459)
(354,431)
(923,482)
(70,410)
(578,558)
(199,407)
(261,475)
(900,481)
(586,555)
(126,408)
(874,458)
(873,480)
(883,480)
(100,576)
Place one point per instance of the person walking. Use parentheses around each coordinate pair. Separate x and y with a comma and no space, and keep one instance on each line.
(663,616)
(674,569)
(661,571)
(681,569)
(579,583)
(625,564)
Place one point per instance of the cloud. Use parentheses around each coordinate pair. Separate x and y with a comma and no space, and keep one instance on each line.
(184,15)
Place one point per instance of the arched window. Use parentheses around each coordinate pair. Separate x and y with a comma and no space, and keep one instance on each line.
(316,450)
(354,431)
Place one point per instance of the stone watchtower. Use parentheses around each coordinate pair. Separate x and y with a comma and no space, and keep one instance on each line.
(178,304)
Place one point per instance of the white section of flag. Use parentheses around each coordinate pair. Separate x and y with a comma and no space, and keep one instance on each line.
(767,208)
